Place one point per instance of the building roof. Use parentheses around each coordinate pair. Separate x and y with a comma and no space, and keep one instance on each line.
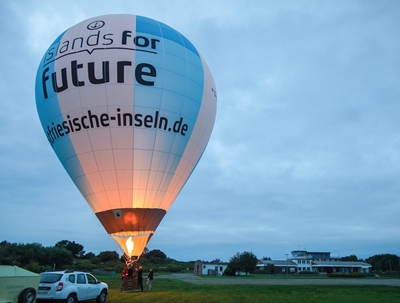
(283,263)
(278,262)
(340,264)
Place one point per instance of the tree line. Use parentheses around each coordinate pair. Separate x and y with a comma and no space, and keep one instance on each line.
(64,254)
(67,254)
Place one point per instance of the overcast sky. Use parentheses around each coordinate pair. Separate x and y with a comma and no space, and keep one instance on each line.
(305,152)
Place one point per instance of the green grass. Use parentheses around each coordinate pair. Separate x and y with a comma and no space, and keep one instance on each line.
(173,290)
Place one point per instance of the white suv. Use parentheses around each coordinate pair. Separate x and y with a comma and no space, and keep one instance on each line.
(70,287)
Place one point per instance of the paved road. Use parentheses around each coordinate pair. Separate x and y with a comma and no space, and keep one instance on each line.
(192,278)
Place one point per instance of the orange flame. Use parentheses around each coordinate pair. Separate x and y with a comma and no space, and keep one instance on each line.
(129,246)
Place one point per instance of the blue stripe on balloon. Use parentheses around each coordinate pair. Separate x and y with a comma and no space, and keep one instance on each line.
(180,77)
(50,114)
(152,27)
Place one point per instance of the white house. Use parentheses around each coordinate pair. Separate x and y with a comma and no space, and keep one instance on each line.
(209,268)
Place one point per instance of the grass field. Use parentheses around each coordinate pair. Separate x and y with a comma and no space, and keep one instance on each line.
(174,290)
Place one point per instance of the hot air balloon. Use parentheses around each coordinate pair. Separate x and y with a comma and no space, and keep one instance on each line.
(128,105)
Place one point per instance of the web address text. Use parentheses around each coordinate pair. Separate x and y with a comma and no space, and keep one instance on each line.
(90,120)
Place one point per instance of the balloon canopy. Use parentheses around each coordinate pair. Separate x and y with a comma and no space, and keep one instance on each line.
(128,105)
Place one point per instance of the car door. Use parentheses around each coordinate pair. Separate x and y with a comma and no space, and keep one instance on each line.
(82,286)
(93,287)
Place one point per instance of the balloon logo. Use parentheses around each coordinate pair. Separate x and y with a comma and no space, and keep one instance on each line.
(128,105)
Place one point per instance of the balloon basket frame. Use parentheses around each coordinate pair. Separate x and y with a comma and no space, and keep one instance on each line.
(130,284)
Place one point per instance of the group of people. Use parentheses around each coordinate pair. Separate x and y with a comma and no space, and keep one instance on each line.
(130,271)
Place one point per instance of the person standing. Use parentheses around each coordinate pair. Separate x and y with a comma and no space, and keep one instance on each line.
(130,270)
(150,280)
(140,277)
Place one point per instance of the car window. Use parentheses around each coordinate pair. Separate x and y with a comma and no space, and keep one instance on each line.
(71,278)
(91,279)
(81,279)
(50,278)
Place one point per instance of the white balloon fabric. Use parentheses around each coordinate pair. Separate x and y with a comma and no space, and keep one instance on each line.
(128,105)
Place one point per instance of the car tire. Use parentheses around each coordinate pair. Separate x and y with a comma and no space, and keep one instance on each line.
(71,299)
(28,295)
(101,298)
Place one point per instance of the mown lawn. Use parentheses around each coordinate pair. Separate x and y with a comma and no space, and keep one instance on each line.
(173,290)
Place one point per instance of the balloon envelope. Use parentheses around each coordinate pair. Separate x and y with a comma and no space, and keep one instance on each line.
(128,105)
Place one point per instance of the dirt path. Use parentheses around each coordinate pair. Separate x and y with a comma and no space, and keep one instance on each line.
(192,278)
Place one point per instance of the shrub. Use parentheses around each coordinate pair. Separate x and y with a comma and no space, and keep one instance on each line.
(172,268)
(308,273)
(229,272)
(259,272)
(35,267)
(347,275)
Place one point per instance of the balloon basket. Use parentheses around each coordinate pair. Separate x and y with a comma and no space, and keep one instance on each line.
(130,284)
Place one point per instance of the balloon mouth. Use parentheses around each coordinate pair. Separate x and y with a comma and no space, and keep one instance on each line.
(132,243)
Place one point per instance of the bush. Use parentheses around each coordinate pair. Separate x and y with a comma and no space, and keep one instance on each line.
(308,273)
(347,275)
(84,265)
(172,268)
(35,267)
(392,273)
(229,272)
(259,272)
(113,265)
(387,274)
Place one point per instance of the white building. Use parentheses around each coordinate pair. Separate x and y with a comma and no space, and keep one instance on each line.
(209,268)
(300,261)
(323,262)
(341,267)
(303,260)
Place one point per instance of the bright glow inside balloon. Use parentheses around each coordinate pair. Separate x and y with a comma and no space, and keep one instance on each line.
(129,246)
(128,105)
